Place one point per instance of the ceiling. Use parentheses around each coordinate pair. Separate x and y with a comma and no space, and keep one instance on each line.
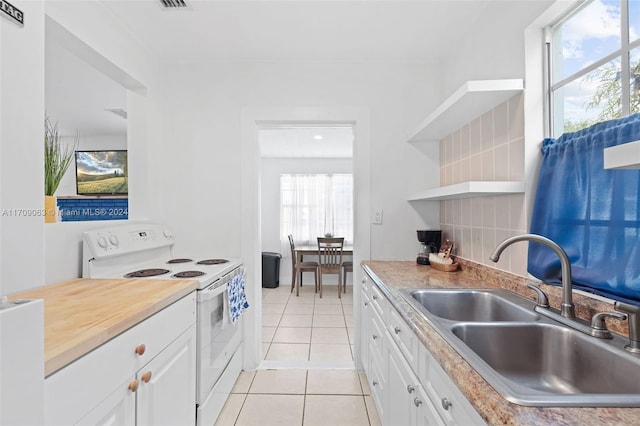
(306,142)
(325,30)
(210,31)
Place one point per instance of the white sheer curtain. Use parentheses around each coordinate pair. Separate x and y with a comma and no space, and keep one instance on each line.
(313,205)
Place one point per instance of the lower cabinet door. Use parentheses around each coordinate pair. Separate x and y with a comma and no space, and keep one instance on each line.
(401,387)
(426,414)
(166,393)
(119,408)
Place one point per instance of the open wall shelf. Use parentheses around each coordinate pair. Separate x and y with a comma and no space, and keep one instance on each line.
(468,190)
(625,156)
(470,101)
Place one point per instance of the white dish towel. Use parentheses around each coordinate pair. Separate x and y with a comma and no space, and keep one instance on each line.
(237,298)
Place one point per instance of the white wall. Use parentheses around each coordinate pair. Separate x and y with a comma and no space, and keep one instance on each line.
(271,169)
(89,32)
(202,133)
(21,149)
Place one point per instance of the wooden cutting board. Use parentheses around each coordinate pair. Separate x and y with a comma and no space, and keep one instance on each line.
(82,314)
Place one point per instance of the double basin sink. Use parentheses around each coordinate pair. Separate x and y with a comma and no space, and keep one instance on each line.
(528,358)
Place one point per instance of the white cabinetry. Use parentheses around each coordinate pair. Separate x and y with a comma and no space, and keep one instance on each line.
(407,384)
(470,101)
(145,375)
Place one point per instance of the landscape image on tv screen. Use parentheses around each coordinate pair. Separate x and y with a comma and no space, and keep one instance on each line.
(101,172)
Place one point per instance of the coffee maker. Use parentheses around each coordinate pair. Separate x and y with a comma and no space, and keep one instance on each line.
(429,243)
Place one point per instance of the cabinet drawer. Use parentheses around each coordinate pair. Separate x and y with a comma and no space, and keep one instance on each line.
(378,300)
(403,336)
(376,333)
(80,386)
(449,402)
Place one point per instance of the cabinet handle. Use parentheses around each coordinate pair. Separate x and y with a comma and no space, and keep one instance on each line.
(397,330)
(375,297)
(374,336)
(146,377)
(446,403)
(364,280)
(133,385)
(366,303)
(140,349)
(410,388)
(374,383)
(417,402)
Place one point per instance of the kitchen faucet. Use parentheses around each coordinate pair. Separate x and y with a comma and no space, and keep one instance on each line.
(567,308)
(567,316)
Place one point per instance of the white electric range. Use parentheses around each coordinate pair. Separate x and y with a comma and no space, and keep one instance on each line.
(146,251)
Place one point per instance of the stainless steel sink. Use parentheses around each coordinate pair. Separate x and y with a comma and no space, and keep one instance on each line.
(530,359)
(554,365)
(472,305)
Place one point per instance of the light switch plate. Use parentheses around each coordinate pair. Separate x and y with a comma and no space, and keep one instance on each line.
(377,216)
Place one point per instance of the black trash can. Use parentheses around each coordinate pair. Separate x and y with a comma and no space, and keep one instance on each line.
(270,269)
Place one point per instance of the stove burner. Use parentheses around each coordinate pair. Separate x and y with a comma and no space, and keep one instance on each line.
(143,273)
(212,261)
(180,261)
(188,274)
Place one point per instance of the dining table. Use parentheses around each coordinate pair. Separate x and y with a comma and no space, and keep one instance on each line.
(312,250)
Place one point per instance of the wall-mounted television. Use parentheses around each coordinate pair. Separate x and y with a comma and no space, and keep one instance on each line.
(102,172)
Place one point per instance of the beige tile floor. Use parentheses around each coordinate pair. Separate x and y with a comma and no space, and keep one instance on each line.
(307,376)
(290,397)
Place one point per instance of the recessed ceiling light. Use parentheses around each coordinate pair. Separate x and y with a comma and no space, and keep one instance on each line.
(318,137)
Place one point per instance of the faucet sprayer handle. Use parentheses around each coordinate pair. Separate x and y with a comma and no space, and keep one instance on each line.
(633,315)
(543,300)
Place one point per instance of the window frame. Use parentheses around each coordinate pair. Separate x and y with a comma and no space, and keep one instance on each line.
(622,53)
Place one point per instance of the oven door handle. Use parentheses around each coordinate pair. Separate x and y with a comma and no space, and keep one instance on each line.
(211,292)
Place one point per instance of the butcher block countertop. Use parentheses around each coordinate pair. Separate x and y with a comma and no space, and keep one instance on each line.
(390,276)
(82,314)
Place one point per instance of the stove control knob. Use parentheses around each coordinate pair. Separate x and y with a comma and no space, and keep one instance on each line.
(168,234)
(102,242)
(114,240)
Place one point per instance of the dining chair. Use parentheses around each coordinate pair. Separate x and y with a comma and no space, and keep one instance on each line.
(347,266)
(298,267)
(330,259)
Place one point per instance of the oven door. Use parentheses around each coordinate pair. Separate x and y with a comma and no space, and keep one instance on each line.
(218,339)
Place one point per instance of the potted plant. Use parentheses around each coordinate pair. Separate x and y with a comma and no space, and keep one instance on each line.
(57,159)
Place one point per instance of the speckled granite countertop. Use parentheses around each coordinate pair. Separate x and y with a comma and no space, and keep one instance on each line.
(393,275)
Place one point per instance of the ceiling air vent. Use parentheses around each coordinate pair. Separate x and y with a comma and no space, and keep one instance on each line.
(173,3)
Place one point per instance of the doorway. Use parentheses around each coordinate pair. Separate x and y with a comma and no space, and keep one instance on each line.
(306,190)
(253,119)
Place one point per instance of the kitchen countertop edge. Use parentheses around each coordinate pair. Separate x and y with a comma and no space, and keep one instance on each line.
(59,354)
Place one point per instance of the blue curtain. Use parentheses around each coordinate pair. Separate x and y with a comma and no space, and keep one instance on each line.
(592,213)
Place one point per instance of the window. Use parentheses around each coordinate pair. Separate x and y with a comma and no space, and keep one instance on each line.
(313,205)
(595,65)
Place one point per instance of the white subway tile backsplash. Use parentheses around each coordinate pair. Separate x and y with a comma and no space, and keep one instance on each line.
(501,162)
(465,147)
(487,130)
(516,159)
(487,166)
(518,213)
(475,168)
(503,212)
(501,124)
(475,137)
(476,211)
(516,117)
(491,147)
(455,143)
(488,212)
